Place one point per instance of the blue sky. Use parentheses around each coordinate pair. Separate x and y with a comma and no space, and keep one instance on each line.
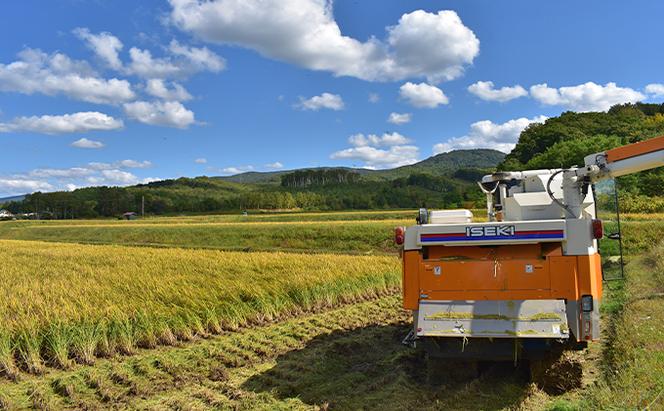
(116,93)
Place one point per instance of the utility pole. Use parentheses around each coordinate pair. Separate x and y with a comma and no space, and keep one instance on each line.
(142,206)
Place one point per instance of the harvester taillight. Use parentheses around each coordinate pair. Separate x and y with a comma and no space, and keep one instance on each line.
(399,235)
(598,229)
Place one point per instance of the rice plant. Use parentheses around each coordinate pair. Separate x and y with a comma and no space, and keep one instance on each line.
(69,302)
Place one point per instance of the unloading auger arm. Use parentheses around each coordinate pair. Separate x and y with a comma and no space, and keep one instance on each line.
(620,161)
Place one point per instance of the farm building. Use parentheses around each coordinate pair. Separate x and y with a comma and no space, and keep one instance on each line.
(6,215)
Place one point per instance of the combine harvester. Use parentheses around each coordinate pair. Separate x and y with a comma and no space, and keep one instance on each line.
(527,284)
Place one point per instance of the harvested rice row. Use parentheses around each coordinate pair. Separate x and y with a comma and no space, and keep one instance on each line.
(145,378)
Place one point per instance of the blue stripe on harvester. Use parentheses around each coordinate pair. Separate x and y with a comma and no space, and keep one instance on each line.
(485,238)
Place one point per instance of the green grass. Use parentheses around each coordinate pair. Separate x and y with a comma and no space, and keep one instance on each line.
(637,236)
(328,236)
(631,358)
(63,302)
(633,366)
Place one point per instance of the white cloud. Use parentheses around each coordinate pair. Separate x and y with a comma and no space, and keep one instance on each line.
(325,100)
(67,123)
(181,61)
(73,172)
(85,143)
(399,118)
(52,179)
(303,32)
(423,95)
(134,164)
(105,45)
(655,89)
(386,140)
(119,176)
(374,98)
(366,149)
(585,97)
(487,134)
(486,91)
(158,88)
(201,58)
(116,178)
(147,180)
(10,186)
(372,157)
(56,74)
(274,166)
(237,170)
(167,113)
(119,164)
(144,65)
(186,61)
(435,46)
(201,161)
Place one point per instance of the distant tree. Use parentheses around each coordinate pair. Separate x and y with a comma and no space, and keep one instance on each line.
(305,178)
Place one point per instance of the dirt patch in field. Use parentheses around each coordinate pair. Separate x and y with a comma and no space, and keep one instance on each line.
(559,374)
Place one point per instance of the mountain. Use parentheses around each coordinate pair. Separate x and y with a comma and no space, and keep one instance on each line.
(444,163)
(14,198)
(440,164)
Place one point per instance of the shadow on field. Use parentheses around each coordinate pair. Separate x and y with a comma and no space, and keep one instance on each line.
(369,368)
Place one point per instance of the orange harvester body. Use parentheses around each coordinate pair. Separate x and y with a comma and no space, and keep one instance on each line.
(531,273)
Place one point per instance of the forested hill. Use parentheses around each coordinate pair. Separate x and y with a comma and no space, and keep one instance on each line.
(445,180)
(440,164)
(565,140)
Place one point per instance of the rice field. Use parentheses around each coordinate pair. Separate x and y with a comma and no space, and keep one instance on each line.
(363,232)
(175,313)
(351,357)
(350,237)
(62,302)
(77,290)
(251,217)
(338,232)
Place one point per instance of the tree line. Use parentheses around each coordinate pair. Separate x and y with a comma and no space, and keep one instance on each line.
(209,195)
(306,178)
